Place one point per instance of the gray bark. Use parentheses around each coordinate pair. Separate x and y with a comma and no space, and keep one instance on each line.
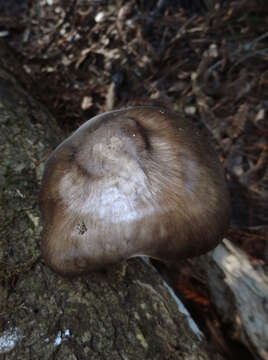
(239,292)
(125,312)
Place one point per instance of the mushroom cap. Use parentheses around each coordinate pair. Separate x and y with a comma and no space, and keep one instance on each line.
(137,181)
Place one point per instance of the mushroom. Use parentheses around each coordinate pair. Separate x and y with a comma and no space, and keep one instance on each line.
(131,182)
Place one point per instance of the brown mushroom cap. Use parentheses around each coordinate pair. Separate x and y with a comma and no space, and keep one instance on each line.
(138,181)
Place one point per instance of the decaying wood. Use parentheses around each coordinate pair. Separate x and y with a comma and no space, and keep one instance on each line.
(126,312)
(240,292)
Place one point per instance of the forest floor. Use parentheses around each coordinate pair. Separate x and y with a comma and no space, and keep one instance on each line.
(208,63)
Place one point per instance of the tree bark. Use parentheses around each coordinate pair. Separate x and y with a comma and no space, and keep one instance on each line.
(126,312)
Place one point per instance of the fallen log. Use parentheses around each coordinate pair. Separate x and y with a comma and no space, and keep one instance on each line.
(126,312)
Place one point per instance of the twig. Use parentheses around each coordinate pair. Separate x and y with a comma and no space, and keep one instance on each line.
(245,47)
